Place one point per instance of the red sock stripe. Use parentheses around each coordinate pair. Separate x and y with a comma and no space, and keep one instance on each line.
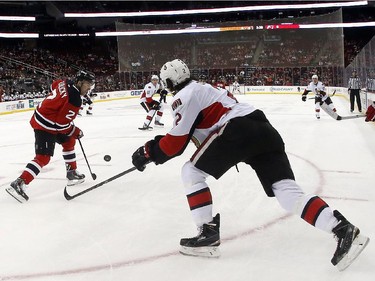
(313,209)
(200,198)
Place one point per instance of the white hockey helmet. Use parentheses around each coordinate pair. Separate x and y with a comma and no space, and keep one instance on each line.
(154,77)
(176,71)
(314,76)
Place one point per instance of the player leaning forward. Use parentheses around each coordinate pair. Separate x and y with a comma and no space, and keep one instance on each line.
(322,100)
(227,132)
(52,123)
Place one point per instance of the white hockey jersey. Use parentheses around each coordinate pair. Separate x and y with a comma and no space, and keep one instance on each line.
(236,86)
(316,88)
(198,110)
(148,91)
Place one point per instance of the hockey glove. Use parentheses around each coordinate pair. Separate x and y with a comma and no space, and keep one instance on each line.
(370,113)
(303,97)
(141,158)
(148,153)
(76,133)
(154,105)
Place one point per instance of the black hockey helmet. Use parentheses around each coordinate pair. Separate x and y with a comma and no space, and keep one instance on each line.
(85,75)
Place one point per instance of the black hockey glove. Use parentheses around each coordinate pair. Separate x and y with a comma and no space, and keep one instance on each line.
(141,158)
(155,105)
(145,154)
(303,97)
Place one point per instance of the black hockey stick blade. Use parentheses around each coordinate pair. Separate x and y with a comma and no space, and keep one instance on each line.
(352,116)
(70,197)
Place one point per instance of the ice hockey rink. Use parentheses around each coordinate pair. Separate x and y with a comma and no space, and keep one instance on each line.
(129,229)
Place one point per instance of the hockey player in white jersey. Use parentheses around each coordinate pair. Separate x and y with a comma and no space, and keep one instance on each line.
(236,87)
(226,133)
(322,100)
(152,106)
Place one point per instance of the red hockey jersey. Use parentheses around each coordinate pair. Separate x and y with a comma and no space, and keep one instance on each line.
(57,111)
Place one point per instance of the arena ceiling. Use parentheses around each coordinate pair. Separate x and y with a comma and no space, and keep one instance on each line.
(50,14)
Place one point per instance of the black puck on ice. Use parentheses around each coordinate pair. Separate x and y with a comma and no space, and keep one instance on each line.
(107,158)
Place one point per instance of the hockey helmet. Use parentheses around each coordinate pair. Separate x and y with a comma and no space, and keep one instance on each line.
(85,75)
(314,76)
(176,71)
(154,77)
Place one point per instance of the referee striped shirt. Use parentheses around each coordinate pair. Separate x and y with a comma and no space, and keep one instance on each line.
(354,83)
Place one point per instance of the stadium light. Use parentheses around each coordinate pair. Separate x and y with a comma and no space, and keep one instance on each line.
(18,35)
(16,18)
(218,10)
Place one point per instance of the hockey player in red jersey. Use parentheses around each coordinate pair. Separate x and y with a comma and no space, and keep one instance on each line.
(226,133)
(52,122)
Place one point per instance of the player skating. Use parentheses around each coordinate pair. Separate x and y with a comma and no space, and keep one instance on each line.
(87,100)
(236,87)
(152,106)
(53,123)
(226,133)
(322,100)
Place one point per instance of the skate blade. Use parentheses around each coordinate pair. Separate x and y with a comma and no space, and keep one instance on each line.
(206,252)
(358,245)
(15,195)
(75,182)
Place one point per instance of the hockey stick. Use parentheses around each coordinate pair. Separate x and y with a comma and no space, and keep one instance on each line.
(70,197)
(87,162)
(352,116)
(334,92)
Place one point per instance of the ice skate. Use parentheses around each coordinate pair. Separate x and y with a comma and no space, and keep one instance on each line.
(158,123)
(74,177)
(317,115)
(88,113)
(349,242)
(206,243)
(17,190)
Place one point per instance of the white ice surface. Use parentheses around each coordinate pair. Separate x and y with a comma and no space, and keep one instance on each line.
(129,229)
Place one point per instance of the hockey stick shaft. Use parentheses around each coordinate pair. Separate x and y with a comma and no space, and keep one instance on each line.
(87,162)
(334,92)
(352,117)
(153,115)
(70,197)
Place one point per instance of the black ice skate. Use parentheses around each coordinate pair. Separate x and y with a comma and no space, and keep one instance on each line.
(158,123)
(349,242)
(88,113)
(74,177)
(17,190)
(206,243)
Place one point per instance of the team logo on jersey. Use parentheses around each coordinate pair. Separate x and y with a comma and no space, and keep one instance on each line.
(176,104)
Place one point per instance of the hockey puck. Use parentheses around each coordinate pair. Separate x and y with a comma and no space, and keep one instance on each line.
(107,158)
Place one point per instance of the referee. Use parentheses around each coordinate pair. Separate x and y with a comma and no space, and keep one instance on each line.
(354,86)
